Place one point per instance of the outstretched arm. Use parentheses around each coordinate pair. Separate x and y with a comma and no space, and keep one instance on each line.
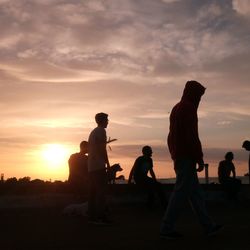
(110,140)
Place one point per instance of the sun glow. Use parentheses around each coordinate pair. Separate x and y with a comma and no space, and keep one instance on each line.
(55,155)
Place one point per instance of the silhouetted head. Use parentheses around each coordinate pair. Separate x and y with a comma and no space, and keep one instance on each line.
(102,119)
(84,147)
(193,92)
(246,145)
(229,156)
(147,151)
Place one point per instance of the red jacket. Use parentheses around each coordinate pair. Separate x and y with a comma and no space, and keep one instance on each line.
(183,137)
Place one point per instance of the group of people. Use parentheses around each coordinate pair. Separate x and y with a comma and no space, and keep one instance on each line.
(186,152)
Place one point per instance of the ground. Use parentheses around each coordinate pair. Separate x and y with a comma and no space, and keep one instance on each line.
(44,227)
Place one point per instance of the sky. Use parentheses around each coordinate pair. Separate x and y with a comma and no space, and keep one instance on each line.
(64,61)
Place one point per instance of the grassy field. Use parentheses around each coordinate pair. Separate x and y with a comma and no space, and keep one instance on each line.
(41,225)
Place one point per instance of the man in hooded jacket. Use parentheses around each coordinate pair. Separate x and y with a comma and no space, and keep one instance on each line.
(186,152)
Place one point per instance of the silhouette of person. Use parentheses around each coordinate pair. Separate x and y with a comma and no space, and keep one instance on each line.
(225,169)
(144,164)
(186,151)
(78,169)
(97,162)
(246,146)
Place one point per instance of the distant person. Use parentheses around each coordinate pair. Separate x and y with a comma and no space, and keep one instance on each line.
(142,166)
(78,169)
(186,151)
(246,146)
(97,163)
(227,176)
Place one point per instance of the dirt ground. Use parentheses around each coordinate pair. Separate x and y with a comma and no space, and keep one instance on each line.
(135,228)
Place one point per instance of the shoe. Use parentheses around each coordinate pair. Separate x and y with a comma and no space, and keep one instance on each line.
(214,230)
(171,235)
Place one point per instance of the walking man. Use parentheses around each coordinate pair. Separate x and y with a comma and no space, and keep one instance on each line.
(186,151)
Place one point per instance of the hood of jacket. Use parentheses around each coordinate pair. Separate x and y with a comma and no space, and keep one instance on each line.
(193,92)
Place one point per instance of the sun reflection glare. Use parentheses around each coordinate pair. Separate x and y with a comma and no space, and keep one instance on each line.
(55,155)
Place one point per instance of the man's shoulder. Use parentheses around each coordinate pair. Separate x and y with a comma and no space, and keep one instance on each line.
(142,159)
(183,106)
(98,130)
(222,164)
(139,158)
(74,157)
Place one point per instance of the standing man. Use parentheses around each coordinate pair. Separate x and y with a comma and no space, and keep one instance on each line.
(97,163)
(246,146)
(186,151)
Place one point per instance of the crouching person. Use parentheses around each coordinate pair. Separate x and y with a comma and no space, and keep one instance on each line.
(230,183)
(139,172)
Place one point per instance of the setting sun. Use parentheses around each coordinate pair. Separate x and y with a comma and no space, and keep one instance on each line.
(55,155)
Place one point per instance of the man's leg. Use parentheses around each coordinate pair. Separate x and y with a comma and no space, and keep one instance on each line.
(92,196)
(197,201)
(101,188)
(178,196)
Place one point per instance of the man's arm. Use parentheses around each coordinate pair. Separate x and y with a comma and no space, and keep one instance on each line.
(233,171)
(195,143)
(131,174)
(102,144)
(152,173)
(104,153)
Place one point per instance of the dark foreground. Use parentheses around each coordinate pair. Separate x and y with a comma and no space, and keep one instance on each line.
(44,227)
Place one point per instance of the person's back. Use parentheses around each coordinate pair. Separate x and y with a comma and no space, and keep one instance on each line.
(78,168)
(141,167)
(224,170)
(227,176)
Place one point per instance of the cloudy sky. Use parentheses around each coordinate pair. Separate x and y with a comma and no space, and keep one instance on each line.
(64,61)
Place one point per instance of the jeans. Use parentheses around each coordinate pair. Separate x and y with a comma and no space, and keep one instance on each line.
(97,194)
(187,187)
